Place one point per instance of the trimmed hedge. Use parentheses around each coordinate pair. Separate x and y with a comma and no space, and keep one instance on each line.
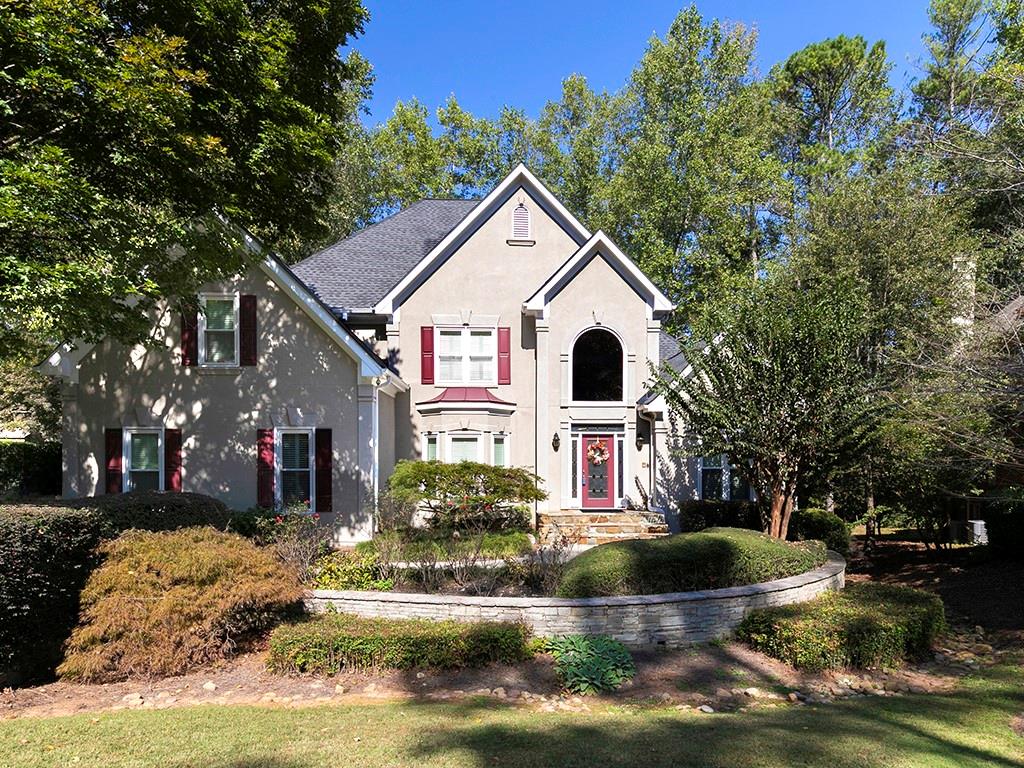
(350,570)
(165,603)
(717,557)
(157,511)
(30,469)
(814,524)
(334,642)
(700,514)
(864,626)
(46,554)
(496,545)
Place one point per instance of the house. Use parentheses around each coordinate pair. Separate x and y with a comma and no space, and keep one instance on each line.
(498,330)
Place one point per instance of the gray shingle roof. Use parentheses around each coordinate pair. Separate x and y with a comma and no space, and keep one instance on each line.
(671,352)
(358,271)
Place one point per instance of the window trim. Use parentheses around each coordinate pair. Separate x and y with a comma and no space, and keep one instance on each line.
(235,362)
(504,436)
(279,433)
(464,433)
(427,437)
(126,455)
(572,361)
(466,332)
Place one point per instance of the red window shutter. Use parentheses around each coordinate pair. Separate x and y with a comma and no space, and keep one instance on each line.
(504,355)
(324,464)
(172,460)
(190,337)
(265,468)
(114,446)
(247,354)
(427,354)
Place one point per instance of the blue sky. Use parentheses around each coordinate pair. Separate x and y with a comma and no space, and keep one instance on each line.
(493,52)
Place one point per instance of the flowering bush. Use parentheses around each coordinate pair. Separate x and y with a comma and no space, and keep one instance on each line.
(296,535)
(468,495)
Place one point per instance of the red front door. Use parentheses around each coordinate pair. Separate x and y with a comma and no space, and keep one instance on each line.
(598,462)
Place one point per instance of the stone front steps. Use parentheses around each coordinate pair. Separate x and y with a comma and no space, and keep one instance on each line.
(601,526)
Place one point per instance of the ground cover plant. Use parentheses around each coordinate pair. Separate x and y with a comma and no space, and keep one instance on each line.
(46,555)
(814,524)
(350,570)
(588,664)
(866,625)
(163,603)
(717,557)
(334,642)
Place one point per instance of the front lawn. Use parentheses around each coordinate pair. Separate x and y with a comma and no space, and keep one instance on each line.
(971,727)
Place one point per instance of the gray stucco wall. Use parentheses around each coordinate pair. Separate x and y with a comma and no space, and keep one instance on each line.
(675,619)
(303,379)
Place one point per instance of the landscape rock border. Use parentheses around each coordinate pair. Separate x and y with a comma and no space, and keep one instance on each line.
(672,619)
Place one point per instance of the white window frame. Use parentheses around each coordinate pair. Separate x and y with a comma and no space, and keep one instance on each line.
(126,455)
(467,331)
(279,469)
(450,438)
(234,363)
(504,437)
(426,446)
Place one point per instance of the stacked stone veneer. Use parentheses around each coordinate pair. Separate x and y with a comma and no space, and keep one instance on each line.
(674,619)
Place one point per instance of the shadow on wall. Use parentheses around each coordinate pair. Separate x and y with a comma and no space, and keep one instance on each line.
(676,476)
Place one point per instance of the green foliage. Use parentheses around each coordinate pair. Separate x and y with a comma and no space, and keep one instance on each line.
(588,664)
(497,545)
(124,124)
(298,537)
(864,626)
(166,603)
(30,469)
(156,511)
(821,525)
(28,399)
(1004,523)
(349,570)
(47,554)
(332,643)
(468,495)
(698,514)
(717,557)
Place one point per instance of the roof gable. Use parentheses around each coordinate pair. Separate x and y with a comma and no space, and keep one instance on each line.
(518,179)
(599,246)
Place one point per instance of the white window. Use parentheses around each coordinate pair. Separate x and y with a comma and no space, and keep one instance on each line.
(499,450)
(295,467)
(463,447)
(521,222)
(467,356)
(218,329)
(143,459)
(430,448)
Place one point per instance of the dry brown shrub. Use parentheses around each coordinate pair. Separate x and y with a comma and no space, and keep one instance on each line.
(164,603)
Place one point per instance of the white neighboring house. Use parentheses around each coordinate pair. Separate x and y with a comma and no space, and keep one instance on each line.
(499,330)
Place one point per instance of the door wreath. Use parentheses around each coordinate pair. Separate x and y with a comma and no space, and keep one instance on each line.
(597,452)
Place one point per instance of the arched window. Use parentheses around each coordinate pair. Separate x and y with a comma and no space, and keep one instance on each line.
(597,367)
(521,222)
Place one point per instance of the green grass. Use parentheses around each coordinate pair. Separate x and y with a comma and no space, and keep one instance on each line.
(713,558)
(968,728)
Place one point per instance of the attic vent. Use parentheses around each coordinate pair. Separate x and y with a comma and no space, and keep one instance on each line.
(521,223)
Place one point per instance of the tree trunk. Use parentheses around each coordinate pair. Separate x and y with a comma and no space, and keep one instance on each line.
(777,510)
(787,511)
(830,502)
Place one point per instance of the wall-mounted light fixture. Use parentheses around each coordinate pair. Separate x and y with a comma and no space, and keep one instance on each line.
(556,441)
(639,442)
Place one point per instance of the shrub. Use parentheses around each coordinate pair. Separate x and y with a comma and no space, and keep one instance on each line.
(164,603)
(821,525)
(46,555)
(865,626)
(699,514)
(717,557)
(298,538)
(590,664)
(1004,523)
(467,495)
(496,545)
(334,642)
(350,570)
(30,469)
(156,511)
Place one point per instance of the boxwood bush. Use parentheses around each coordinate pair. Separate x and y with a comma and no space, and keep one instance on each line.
(821,525)
(350,570)
(164,603)
(717,557)
(333,642)
(865,625)
(157,511)
(46,555)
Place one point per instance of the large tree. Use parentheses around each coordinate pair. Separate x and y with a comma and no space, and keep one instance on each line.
(124,126)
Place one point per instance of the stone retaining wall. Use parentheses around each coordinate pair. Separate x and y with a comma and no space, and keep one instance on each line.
(675,619)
